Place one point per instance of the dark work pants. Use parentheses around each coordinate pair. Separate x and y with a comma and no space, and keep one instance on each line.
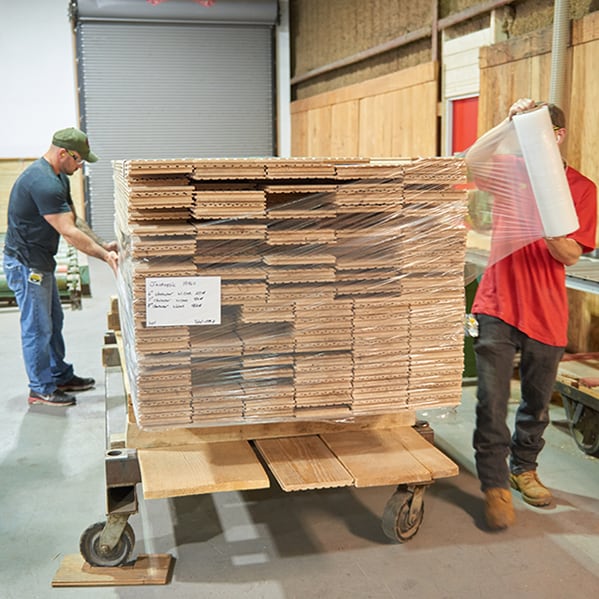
(495,349)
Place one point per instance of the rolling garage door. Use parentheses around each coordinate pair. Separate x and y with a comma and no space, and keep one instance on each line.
(173,80)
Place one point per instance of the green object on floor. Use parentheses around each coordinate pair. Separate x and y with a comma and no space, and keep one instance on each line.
(469,358)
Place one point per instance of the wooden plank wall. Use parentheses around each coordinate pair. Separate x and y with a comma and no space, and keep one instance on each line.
(391,115)
(513,69)
(583,114)
(522,68)
(583,326)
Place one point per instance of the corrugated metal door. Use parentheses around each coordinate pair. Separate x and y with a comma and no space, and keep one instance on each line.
(171,90)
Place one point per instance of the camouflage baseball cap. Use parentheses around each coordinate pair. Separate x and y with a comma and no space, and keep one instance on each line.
(75,140)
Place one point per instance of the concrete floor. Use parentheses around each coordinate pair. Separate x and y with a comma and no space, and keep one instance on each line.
(269,544)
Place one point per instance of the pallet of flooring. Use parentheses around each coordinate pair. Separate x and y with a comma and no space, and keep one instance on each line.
(336,277)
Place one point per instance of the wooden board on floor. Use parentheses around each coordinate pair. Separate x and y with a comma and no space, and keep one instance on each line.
(198,469)
(74,571)
(301,463)
(389,457)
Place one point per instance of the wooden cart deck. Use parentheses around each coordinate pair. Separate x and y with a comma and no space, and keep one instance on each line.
(374,457)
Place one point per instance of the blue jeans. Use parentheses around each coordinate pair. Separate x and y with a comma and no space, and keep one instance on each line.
(495,349)
(41,326)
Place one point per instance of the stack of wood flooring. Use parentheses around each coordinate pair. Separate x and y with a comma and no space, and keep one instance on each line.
(341,286)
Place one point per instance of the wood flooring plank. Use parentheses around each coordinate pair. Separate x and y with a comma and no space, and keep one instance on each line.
(376,458)
(580,371)
(386,457)
(438,464)
(301,463)
(198,469)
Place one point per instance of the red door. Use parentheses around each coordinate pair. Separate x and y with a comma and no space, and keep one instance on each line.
(464,119)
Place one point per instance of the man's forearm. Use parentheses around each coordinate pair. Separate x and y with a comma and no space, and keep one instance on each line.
(85,243)
(85,228)
(564,250)
(64,223)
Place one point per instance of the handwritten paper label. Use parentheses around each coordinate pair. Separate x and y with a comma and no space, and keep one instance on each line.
(172,301)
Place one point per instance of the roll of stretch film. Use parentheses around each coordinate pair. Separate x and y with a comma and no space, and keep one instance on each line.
(546,172)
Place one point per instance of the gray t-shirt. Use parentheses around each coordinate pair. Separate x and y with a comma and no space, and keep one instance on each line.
(29,237)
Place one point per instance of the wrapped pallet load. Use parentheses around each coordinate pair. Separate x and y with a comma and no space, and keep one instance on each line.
(269,290)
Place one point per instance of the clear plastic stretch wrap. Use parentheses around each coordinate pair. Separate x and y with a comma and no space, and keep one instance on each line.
(523,194)
(269,290)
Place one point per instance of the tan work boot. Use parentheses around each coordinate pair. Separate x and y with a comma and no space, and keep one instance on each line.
(499,510)
(532,489)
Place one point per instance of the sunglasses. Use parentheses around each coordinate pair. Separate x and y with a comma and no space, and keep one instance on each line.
(74,156)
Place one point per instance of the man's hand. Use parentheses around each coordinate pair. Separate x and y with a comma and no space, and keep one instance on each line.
(111,246)
(521,105)
(112,259)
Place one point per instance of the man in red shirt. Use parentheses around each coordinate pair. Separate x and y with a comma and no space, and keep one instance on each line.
(522,305)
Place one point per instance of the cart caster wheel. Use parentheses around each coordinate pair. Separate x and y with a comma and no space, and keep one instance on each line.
(89,546)
(584,425)
(403,513)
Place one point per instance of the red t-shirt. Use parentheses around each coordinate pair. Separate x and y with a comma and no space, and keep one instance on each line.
(527,289)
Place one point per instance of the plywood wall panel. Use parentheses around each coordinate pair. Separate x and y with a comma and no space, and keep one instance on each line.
(583,114)
(402,125)
(422,103)
(585,29)
(413,76)
(319,132)
(375,130)
(299,126)
(345,141)
(392,115)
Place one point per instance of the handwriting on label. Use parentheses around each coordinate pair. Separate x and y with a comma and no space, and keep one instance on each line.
(182,301)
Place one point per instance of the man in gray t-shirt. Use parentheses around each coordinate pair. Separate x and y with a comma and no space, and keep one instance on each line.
(40,210)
